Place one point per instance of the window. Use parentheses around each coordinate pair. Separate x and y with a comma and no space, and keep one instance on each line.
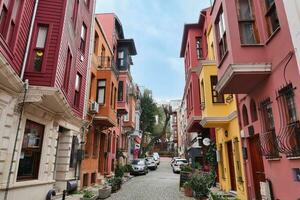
(88,144)
(115,94)
(96,144)
(85,180)
(101,87)
(216,97)
(75,11)
(199,48)
(271,16)
(77,90)
(253,110)
(39,49)
(120,90)
(126,117)
(247,26)
(67,70)
(221,162)
(73,157)
(267,115)
(93,178)
(112,94)
(96,43)
(121,58)
(221,35)
(87,3)
(202,95)
(31,151)
(83,38)
(245,116)
(3,18)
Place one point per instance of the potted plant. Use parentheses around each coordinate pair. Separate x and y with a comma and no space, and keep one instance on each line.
(185,174)
(105,191)
(88,195)
(188,191)
(119,171)
(201,183)
(127,170)
(116,183)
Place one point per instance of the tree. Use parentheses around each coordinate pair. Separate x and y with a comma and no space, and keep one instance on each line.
(148,121)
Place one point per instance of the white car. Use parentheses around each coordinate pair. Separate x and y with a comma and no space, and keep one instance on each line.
(178,163)
(156,157)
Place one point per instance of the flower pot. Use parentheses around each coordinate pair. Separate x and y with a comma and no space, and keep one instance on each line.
(126,174)
(188,192)
(114,188)
(104,192)
(92,198)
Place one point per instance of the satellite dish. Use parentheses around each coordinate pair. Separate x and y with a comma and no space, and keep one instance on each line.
(206,141)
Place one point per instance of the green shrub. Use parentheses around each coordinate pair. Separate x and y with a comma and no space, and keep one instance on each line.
(119,171)
(127,168)
(201,183)
(187,169)
(187,184)
(88,194)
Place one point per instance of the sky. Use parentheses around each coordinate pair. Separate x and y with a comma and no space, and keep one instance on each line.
(157,28)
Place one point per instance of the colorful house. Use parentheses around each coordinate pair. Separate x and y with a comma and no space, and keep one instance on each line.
(256,60)
(220,112)
(193,50)
(102,134)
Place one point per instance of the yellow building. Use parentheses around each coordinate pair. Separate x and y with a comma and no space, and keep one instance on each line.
(220,112)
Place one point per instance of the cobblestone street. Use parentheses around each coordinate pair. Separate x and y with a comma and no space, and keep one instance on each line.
(161,184)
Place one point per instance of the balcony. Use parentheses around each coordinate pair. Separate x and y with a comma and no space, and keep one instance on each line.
(242,78)
(268,145)
(107,63)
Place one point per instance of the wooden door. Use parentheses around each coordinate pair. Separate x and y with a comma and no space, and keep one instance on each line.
(231,166)
(257,165)
(101,154)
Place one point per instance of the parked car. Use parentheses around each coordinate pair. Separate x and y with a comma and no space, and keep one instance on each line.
(139,167)
(151,164)
(178,164)
(156,157)
(174,159)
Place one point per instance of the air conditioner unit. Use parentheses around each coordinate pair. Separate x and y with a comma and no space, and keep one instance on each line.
(94,107)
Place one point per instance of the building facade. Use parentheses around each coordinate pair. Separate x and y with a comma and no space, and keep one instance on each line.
(256,60)
(42,94)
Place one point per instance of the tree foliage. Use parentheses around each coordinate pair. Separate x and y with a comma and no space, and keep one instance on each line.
(148,121)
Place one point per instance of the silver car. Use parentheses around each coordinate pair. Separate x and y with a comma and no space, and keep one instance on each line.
(151,164)
(139,167)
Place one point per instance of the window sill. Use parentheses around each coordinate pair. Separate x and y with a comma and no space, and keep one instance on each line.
(252,45)
(222,60)
(293,158)
(272,35)
(273,159)
(21,184)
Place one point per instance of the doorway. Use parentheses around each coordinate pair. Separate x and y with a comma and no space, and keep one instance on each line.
(257,165)
(231,166)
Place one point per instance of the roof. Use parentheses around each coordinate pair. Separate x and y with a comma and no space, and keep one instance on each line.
(186,29)
(130,44)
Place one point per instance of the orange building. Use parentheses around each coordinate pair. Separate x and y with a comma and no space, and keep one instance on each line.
(100,147)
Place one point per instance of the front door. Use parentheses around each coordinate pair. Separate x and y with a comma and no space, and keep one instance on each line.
(231,166)
(101,154)
(257,165)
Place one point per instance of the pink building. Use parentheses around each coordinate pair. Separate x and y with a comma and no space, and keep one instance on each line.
(256,60)
(47,43)
(193,50)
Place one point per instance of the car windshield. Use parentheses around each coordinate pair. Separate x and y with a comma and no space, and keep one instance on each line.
(137,162)
(181,161)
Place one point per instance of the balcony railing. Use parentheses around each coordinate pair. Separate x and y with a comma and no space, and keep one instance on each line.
(268,144)
(289,140)
(106,62)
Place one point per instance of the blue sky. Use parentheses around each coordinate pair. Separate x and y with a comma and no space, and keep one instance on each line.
(156,26)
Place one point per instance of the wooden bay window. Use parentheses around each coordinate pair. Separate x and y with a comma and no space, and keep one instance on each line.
(271,16)
(83,38)
(247,26)
(216,97)
(78,80)
(39,47)
(221,35)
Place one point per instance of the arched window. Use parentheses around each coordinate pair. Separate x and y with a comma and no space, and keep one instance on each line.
(253,111)
(245,116)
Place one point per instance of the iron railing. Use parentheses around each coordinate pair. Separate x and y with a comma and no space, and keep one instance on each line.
(106,62)
(268,144)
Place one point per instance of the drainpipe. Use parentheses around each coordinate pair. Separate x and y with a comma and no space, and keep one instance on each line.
(26,86)
(29,40)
